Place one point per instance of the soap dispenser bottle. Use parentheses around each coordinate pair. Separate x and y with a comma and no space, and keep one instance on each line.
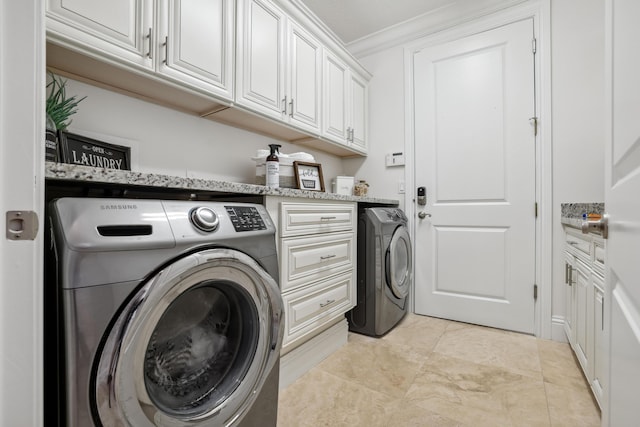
(273,166)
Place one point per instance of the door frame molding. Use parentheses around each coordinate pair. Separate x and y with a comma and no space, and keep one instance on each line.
(539,10)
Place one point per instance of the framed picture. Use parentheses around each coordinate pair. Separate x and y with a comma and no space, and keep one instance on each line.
(308,176)
(80,150)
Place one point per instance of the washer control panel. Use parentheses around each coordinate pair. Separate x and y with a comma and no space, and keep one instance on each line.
(245,218)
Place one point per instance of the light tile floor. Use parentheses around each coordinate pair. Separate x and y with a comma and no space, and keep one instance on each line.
(434,372)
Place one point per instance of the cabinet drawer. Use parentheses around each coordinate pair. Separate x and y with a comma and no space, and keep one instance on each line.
(579,246)
(308,259)
(310,218)
(311,307)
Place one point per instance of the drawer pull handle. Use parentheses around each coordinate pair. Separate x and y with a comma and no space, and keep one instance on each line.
(327,257)
(326,303)
(574,243)
(327,218)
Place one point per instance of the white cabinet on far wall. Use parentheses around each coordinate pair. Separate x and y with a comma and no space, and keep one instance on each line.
(279,66)
(345,105)
(584,317)
(189,43)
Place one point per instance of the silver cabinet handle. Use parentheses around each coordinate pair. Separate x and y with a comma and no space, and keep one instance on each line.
(566,273)
(166,51)
(327,256)
(570,276)
(284,105)
(150,37)
(326,303)
(291,108)
(327,218)
(574,243)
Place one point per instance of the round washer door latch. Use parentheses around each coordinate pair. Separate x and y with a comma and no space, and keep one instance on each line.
(204,219)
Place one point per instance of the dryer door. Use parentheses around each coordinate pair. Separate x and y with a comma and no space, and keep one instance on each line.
(398,263)
(192,347)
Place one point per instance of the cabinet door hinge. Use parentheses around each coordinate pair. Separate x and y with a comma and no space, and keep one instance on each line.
(534,46)
(535,292)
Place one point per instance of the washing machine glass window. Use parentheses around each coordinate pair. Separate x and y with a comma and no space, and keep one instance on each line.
(193,346)
(398,263)
(200,349)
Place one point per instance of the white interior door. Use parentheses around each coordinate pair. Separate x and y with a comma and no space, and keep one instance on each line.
(22,83)
(622,202)
(475,154)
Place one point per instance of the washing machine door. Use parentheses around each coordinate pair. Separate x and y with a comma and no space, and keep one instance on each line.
(193,346)
(398,263)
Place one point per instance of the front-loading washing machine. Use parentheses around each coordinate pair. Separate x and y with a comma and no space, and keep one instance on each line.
(384,271)
(170,312)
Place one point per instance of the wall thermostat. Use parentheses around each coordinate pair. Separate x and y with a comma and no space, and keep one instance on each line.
(394,159)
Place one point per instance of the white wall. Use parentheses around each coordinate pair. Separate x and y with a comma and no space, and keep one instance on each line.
(174,143)
(386,125)
(577,33)
(577,44)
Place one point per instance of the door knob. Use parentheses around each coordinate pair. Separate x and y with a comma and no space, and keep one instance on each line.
(601,225)
(423,215)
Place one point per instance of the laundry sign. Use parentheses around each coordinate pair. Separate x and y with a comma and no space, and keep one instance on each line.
(80,150)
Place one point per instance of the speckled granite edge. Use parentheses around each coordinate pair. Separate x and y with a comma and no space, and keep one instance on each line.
(571,213)
(69,172)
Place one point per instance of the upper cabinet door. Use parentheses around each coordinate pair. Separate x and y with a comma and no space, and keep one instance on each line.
(119,29)
(359,113)
(335,80)
(260,62)
(195,43)
(305,70)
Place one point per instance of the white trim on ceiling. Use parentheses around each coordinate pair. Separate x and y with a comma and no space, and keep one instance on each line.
(455,13)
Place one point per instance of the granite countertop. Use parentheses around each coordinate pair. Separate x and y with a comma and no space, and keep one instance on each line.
(572,212)
(70,173)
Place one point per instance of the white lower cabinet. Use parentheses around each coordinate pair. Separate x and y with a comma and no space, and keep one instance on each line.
(317,253)
(584,306)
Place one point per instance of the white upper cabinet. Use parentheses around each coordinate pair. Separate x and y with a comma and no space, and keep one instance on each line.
(335,81)
(345,105)
(358,113)
(121,30)
(191,43)
(304,79)
(261,61)
(196,43)
(283,75)
(279,67)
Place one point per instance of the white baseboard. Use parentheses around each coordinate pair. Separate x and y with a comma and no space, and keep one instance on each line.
(557,329)
(301,359)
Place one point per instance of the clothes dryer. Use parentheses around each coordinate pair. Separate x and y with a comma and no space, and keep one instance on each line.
(171,314)
(384,271)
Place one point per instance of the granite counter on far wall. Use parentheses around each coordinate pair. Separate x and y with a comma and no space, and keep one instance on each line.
(84,174)
(572,212)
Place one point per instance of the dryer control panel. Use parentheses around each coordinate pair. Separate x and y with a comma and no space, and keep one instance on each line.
(245,218)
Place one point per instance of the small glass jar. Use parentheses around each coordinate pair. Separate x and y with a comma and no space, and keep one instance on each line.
(361,188)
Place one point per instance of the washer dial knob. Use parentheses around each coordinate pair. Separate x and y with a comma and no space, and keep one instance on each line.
(204,219)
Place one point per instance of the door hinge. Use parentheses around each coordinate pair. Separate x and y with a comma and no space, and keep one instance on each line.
(534,120)
(535,292)
(534,46)
(536,208)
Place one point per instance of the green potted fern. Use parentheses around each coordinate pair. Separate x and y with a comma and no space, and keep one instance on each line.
(59,108)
